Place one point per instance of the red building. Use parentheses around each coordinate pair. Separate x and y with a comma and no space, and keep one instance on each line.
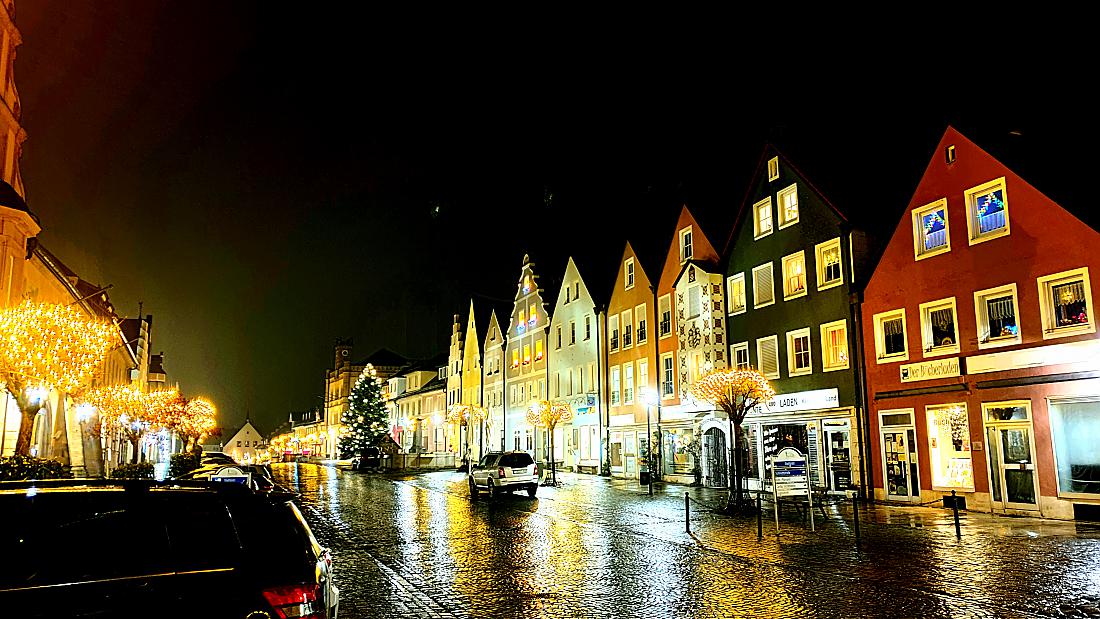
(983,363)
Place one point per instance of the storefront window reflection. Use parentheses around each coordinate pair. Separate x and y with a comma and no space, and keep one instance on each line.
(949,447)
(677,457)
(1076,430)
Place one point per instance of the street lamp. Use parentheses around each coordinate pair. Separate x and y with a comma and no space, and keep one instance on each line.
(649,398)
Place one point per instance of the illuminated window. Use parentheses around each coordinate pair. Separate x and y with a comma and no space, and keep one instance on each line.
(834,346)
(987,211)
(521,326)
(664,305)
(533,318)
(799,360)
(794,276)
(526,354)
(773,169)
(949,447)
(735,292)
(829,270)
(939,327)
(890,336)
(788,206)
(763,286)
(996,311)
(613,332)
(640,317)
(762,218)
(515,357)
(767,353)
(538,350)
(643,374)
(615,385)
(931,232)
(685,245)
(1065,301)
(629,267)
(741,356)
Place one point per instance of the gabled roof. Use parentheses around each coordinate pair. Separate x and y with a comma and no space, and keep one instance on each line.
(384,357)
(425,365)
(708,266)
(481,312)
(598,265)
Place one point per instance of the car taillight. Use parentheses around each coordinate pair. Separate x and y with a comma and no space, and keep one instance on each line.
(500,472)
(536,470)
(296,601)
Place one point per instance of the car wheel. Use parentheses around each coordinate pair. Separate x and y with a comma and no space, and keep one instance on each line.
(473,489)
(532,489)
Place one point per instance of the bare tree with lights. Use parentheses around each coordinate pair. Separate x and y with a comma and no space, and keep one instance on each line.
(736,392)
(546,414)
(466,415)
(192,419)
(132,411)
(48,347)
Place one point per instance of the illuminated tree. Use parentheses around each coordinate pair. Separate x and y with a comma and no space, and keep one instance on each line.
(46,347)
(192,419)
(548,415)
(736,392)
(467,415)
(132,411)
(365,420)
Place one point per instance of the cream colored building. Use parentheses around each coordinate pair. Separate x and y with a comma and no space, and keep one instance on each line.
(417,404)
(526,374)
(492,380)
(338,383)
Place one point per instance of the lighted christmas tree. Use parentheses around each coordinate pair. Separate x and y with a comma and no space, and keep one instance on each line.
(365,420)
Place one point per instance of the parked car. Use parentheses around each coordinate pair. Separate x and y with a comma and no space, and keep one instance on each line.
(169,549)
(216,457)
(261,477)
(504,471)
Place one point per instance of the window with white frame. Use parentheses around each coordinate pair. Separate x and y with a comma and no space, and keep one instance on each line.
(572,332)
(685,245)
(788,206)
(643,375)
(587,327)
(767,354)
(773,169)
(641,331)
(829,270)
(1065,302)
(695,302)
(735,292)
(763,286)
(794,276)
(628,383)
(664,308)
(615,385)
(613,332)
(931,232)
(740,356)
(799,361)
(987,211)
(628,329)
(668,376)
(995,313)
(834,346)
(939,327)
(762,218)
(890,336)
(559,337)
(629,273)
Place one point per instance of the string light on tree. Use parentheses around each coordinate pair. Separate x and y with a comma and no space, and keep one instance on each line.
(546,414)
(365,419)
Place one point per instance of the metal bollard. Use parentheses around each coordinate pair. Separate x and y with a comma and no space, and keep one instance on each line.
(687,512)
(955,509)
(855,514)
(759,518)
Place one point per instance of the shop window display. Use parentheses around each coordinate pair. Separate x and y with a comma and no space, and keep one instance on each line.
(949,447)
(678,459)
(1075,427)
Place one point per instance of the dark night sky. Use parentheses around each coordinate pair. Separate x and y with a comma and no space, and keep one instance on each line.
(263,178)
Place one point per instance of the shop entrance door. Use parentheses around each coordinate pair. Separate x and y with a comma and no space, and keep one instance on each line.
(838,449)
(1013,483)
(714,459)
(899,456)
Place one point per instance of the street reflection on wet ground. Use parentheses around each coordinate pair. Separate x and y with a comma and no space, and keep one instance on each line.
(417,546)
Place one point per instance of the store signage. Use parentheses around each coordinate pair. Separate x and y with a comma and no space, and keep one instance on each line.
(800,401)
(789,472)
(1086,353)
(930,370)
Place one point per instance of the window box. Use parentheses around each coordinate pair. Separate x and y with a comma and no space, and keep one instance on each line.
(794,276)
(891,337)
(762,218)
(735,291)
(939,328)
(830,272)
(834,346)
(1065,301)
(931,230)
(799,356)
(987,211)
(763,286)
(996,312)
(788,206)
(767,353)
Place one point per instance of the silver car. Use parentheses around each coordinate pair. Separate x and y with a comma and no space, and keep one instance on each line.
(505,471)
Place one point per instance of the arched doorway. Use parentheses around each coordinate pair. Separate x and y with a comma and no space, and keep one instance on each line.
(715,459)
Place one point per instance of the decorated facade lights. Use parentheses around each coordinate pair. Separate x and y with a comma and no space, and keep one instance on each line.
(47,347)
(547,414)
(736,392)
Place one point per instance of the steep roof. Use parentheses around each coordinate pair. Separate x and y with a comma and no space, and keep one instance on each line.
(384,357)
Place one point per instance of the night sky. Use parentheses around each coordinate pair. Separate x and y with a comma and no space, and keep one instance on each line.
(267,177)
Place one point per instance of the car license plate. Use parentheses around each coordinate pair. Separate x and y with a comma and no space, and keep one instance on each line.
(519,471)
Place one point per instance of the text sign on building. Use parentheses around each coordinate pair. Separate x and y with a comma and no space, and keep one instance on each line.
(930,370)
(800,401)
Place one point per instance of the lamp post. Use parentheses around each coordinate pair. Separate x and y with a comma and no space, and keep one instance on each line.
(650,398)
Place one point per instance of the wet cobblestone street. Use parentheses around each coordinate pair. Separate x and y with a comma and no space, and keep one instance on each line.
(417,546)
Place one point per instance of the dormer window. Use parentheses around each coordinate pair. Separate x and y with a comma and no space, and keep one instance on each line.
(773,169)
(442,373)
(685,245)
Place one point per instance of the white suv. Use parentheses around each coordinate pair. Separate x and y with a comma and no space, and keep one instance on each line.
(504,472)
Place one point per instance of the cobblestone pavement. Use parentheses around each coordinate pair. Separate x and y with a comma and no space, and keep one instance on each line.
(417,546)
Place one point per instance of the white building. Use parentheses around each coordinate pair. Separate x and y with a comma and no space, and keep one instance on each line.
(527,366)
(247,445)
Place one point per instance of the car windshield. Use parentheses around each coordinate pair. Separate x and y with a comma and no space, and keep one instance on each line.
(516,460)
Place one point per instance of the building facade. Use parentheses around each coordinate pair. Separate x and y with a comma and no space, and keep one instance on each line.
(338,383)
(790,275)
(980,331)
(417,404)
(492,380)
(526,374)
(247,445)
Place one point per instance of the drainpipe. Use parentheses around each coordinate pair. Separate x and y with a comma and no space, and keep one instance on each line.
(504,395)
(657,372)
(601,392)
(862,395)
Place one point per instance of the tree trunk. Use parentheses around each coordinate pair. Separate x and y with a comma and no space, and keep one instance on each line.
(553,468)
(134,442)
(26,428)
(59,433)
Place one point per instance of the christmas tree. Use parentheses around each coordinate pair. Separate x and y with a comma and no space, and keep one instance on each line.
(365,420)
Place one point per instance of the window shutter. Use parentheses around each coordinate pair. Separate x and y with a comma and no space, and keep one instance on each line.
(762,285)
(769,356)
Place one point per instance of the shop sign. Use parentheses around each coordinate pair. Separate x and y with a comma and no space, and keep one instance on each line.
(930,370)
(800,401)
(1086,353)
(789,472)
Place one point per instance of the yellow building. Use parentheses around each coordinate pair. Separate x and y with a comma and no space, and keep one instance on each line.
(338,383)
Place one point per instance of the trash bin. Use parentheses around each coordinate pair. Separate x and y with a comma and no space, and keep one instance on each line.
(643,478)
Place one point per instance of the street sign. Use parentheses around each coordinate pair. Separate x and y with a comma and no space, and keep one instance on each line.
(790,478)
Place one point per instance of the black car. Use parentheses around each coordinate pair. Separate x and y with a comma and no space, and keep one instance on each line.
(88,548)
(369,460)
